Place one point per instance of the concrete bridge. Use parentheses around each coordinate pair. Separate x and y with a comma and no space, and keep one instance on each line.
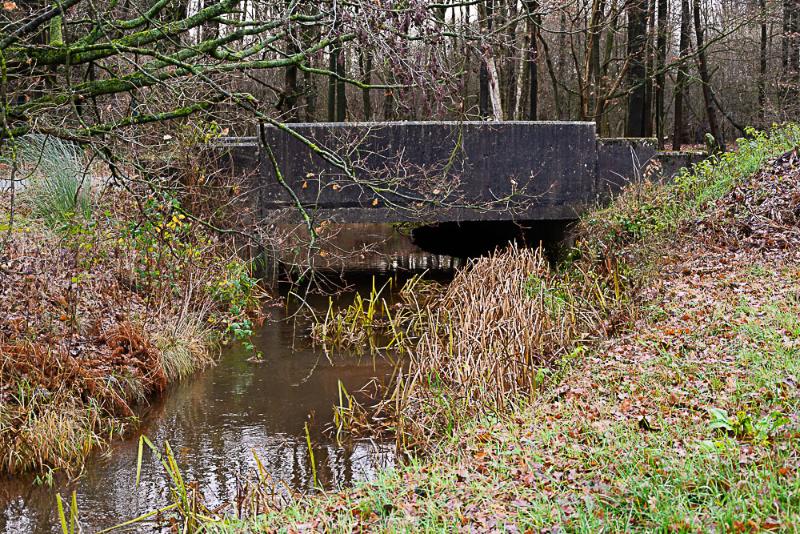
(442,171)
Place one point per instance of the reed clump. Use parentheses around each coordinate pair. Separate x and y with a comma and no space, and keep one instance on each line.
(493,338)
(499,321)
(383,320)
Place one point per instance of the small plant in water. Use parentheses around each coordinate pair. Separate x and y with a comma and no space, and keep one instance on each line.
(69,523)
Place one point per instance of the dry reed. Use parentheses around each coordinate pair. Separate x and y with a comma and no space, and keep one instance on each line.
(485,342)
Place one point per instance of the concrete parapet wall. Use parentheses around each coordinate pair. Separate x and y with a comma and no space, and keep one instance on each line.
(436,171)
(441,171)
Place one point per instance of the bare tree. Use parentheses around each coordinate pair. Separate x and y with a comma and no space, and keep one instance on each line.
(705,79)
(637,72)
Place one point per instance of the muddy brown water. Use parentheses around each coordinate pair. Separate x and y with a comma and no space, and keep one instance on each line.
(217,421)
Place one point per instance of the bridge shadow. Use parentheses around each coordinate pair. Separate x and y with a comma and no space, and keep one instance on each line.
(470,239)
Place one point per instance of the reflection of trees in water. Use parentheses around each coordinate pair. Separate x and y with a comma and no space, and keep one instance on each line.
(218,461)
(374,248)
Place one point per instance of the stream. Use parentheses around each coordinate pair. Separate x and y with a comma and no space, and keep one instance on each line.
(218,421)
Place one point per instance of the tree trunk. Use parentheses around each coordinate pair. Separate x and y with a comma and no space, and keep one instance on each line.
(341,95)
(288,100)
(790,56)
(483,90)
(309,86)
(551,70)
(310,90)
(702,66)
(591,69)
(365,62)
(794,55)
(650,62)
(762,71)
(332,62)
(680,85)
(484,76)
(533,60)
(494,89)
(510,61)
(389,110)
(661,72)
(637,73)
(563,112)
(290,94)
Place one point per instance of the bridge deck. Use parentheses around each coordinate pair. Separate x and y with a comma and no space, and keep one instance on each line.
(438,171)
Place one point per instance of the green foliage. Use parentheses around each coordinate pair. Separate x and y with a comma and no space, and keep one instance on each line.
(59,188)
(164,244)
(69,523)
(556,296)
(236,293)
(237,288)
(743,425)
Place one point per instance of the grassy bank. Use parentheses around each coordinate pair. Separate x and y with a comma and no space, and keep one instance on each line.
(108,295)
(672,407)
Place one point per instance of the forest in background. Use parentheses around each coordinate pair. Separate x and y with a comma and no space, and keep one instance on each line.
(675,69)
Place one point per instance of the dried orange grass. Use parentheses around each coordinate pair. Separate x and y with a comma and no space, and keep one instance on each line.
(503,320)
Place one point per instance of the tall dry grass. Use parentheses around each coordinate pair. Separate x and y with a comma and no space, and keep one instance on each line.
(488,341)
(493,337)
(501,320)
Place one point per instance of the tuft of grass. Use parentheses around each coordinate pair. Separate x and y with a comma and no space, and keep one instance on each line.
(489,338)
(184,345)
(357,325)
(58,189)
(49,431)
